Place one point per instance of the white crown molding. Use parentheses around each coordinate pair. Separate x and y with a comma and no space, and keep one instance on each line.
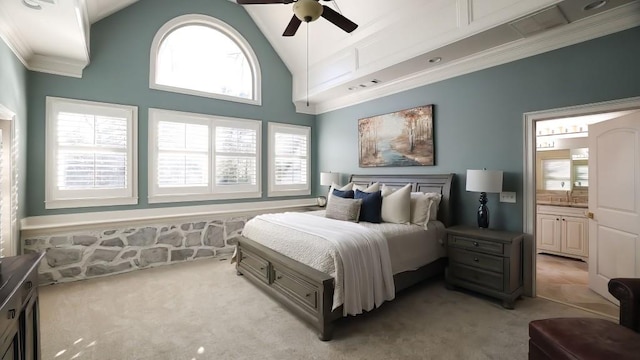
(154,215)
(619,19)
(13,40)
(45,63)
(57,65)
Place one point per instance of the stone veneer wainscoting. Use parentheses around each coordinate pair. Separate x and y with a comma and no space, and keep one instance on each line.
(84,254)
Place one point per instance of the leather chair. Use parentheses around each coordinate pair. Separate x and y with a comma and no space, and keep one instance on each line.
(592,338)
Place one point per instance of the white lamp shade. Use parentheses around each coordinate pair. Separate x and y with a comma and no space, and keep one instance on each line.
(328,178)
(489,181)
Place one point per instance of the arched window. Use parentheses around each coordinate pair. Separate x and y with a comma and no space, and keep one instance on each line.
(203,56)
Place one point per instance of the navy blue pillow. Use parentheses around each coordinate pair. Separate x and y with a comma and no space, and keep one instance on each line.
(371,208)
(347,194)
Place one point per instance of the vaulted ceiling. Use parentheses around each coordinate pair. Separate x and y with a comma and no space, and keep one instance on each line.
(399,44)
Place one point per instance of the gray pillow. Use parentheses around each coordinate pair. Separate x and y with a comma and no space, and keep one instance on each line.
(343,209)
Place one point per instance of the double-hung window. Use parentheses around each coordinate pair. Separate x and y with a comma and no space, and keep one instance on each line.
(202,157)
(91,154)
(289,160)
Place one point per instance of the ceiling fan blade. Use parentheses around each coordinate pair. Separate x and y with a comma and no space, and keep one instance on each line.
(252,2)
(338,20)
(293,26)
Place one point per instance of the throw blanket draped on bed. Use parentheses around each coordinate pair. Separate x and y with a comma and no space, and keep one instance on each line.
(362,267)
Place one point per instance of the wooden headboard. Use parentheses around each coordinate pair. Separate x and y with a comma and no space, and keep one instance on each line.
(440,183)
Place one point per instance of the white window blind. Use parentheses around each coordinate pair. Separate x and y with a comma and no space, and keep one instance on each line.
(289,157)
(202,157)
(183,154)
(556,174)
(91,154)
(236,156)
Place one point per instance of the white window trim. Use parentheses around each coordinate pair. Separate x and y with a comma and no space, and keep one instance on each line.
(219,25)
(54,198)
(211,192)
(288,190)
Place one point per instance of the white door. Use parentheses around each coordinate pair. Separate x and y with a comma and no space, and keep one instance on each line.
(614,201)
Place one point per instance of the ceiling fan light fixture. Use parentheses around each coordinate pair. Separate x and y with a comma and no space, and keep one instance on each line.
(307,10)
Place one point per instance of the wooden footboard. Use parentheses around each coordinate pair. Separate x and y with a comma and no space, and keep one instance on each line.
(303,290)
(307,292)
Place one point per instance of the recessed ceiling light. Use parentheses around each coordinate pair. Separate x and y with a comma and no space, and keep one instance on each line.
(31,4)
(595,5)
(35,4)
(435,60)
(353,88)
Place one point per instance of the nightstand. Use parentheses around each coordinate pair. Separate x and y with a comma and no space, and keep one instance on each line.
(486,261)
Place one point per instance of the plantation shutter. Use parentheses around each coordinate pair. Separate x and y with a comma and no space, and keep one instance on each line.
(92,151)
(183,154)
(236,156)
(290,159)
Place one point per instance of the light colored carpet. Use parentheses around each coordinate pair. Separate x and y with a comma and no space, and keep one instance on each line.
(203,310)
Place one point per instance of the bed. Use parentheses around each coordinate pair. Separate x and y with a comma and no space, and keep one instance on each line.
(309,293)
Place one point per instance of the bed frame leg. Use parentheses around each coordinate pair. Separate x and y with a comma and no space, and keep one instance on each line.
(326,334)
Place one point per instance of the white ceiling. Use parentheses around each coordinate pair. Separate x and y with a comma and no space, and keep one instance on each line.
(393,43)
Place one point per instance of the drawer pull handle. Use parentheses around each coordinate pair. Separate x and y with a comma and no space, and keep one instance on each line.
(29,285)
(475,243)
(279,277)
(12,313)
(262,268)
(476,259)
(308,295)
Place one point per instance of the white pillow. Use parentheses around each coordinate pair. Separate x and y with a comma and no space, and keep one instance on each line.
(347,187)
(420,208)
(424,207)
(435,205)
(396,204)
(371,189)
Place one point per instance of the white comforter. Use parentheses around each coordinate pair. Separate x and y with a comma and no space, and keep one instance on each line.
(359,257)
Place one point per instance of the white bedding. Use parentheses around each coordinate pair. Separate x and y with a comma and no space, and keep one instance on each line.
(410,246)
(364,280)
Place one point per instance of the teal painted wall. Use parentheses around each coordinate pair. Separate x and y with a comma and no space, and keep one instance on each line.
(119,73)
(13,96)
(478,117)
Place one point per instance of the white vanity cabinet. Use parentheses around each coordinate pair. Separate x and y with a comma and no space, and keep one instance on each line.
(562,231)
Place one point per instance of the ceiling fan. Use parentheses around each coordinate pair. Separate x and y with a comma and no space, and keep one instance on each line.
(307,11)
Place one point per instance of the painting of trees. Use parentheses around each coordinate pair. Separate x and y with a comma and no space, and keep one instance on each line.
(403,138)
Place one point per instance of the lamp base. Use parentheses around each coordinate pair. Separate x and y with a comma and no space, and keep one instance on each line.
(483,212)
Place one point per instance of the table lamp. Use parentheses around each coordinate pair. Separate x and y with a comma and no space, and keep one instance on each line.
(484,181)
(327,179)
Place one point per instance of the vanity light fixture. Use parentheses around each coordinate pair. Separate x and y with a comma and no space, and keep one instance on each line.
(595,5)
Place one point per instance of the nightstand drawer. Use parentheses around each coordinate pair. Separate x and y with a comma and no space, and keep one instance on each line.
(254,264)
(481,277)
(476,245)
(475,259)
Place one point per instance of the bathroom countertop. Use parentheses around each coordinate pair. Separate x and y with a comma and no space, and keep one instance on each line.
(564,204)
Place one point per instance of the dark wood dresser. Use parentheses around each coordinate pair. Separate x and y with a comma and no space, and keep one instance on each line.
(20,339)
(486,261)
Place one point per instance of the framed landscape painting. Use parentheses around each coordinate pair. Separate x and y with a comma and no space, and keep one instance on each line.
(402,138)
